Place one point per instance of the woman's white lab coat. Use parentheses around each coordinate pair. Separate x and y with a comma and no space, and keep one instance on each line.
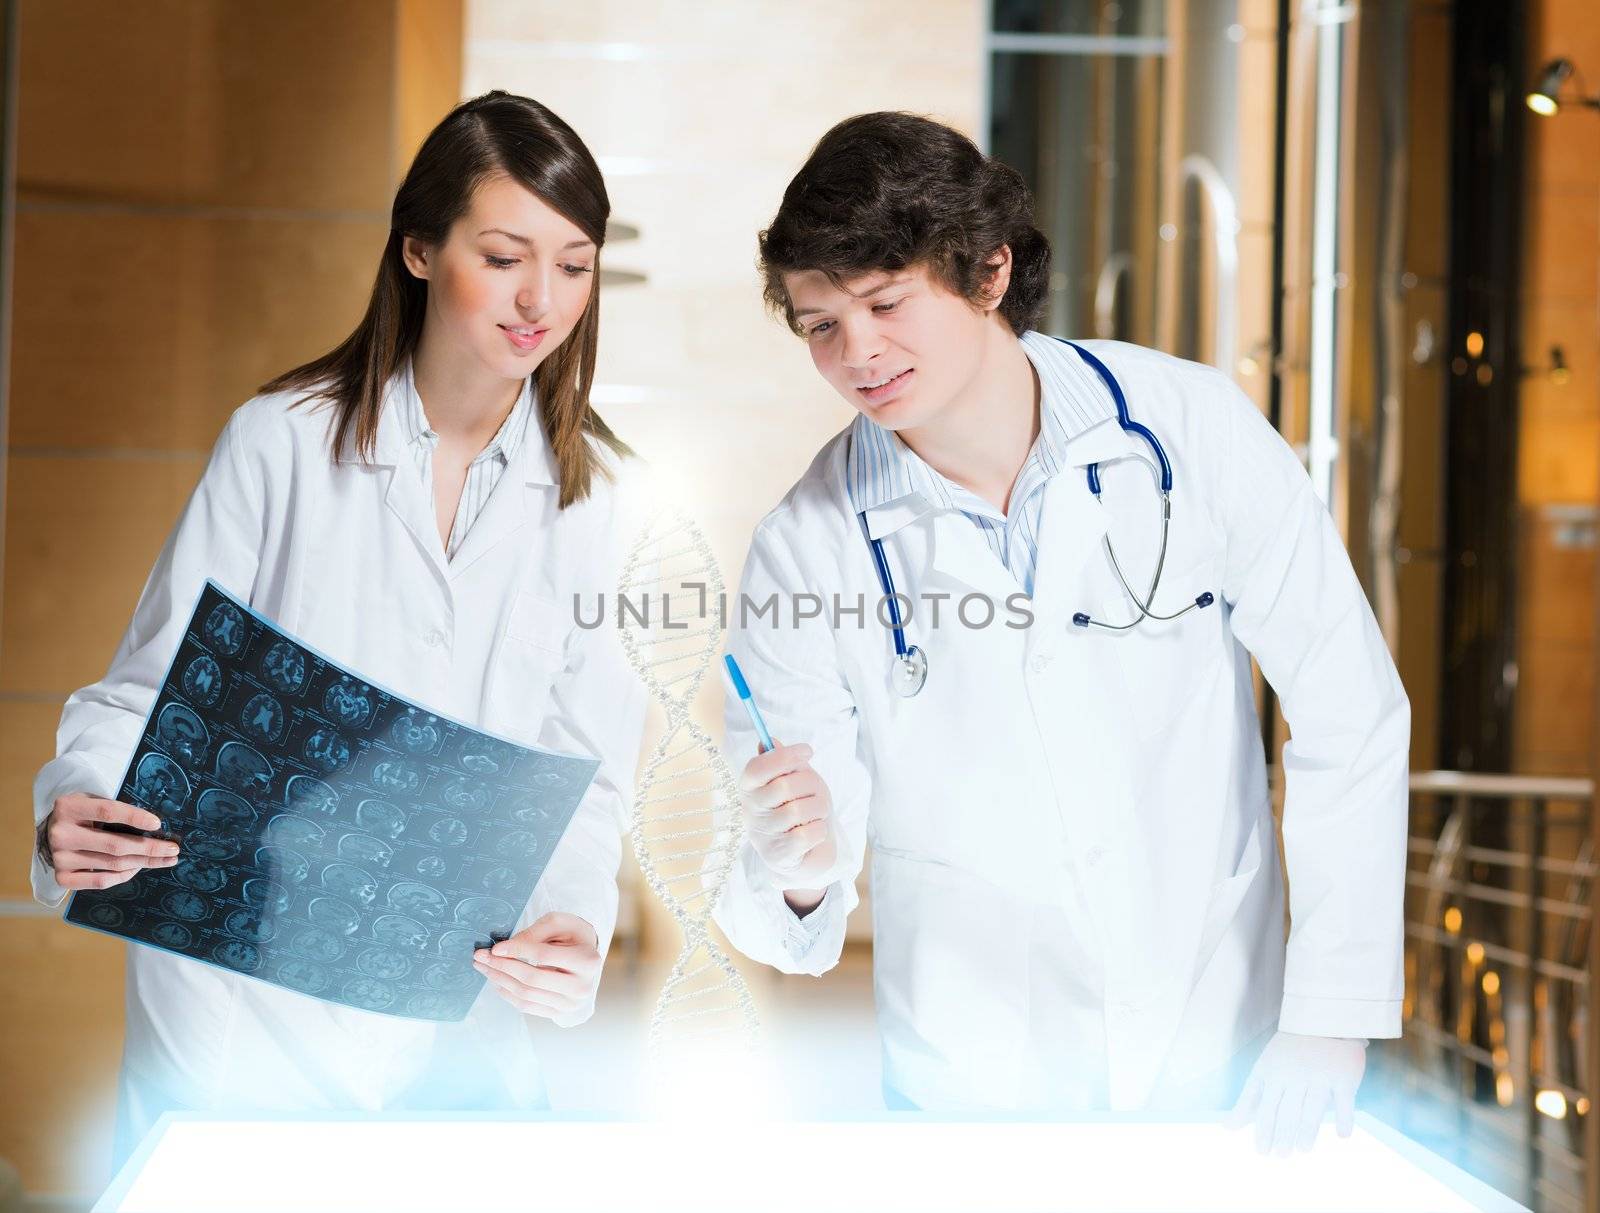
(1076,893)
(347,557)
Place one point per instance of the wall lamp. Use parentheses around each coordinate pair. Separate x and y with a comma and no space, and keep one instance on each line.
(1544,99)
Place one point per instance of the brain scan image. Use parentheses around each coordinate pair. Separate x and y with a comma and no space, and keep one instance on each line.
(430,1006)
(160,785)
(316,944)
(396,776)
(385,964)
(288,830)
(237,954)
(308,794)
(449,832)
(304,976)
(172,935)
(243,769)
(181,903)
(487,913)
(128,890)
(204,844)
(534,813)
(265,897)
(446,976)
(369,993)
(484,755)
(202,681)
(284,667)
(498,880)
(401,932)
(467,795)
(349,703)
(415,733)
(201,875)
(327,750)
(262,718)
(353,884)
(282,865)
(107,915)
(182,734)
(249,926)
(381,818)
(417,900)
(224,812)
(333,916)
(459,944)
(224,629)
(363,848)
(519,844)
(336,839)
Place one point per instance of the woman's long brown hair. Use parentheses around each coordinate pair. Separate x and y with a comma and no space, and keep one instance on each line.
(495,134)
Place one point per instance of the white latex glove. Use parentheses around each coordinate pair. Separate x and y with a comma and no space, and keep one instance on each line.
(1291,1085)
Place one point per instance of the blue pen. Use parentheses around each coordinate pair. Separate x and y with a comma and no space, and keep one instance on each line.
(749,704)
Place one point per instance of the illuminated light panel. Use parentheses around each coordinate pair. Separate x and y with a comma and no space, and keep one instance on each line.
(1452,920)
(1475,953)
(886,1165)
(1491,982)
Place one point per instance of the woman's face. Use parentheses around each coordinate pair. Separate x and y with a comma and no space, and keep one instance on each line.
(509,283)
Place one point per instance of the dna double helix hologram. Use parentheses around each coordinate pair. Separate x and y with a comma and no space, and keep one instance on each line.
(686,827)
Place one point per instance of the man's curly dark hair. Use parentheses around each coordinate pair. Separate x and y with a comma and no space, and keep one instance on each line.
(885,191)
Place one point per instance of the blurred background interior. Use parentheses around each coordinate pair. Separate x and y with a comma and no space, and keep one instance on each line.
(1352,208)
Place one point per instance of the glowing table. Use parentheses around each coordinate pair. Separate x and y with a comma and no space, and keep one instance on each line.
(896,1163)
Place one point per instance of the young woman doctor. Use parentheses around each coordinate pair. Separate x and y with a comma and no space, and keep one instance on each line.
(1075,891)
(421,503)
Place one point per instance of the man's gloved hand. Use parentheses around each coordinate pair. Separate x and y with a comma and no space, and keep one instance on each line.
(1291,1085)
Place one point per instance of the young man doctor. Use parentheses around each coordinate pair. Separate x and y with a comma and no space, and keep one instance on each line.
(1076,897)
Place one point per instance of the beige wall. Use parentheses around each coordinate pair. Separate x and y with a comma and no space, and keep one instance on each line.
(699,116)
(204,189)
(1558,459)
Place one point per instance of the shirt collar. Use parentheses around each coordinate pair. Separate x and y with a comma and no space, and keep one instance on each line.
(505,444)
(888,482)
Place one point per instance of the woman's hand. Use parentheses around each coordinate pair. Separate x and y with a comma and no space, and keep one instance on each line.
(72,840)
(549,968)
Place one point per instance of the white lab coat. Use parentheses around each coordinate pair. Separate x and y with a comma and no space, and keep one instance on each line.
(1073,862)
(347,557)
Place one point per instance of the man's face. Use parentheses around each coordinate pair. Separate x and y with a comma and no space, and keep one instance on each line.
(897,344)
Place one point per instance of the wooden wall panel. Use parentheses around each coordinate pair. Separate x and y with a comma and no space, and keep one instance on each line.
(61,1004)
(142,331)
(205,188)
(81,535)
(208,102)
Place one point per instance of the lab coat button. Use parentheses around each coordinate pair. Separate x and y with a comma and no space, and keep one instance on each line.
(1095,855)
(434,639)
(1040,663)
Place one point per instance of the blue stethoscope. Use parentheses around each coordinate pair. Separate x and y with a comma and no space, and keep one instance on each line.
(910,669)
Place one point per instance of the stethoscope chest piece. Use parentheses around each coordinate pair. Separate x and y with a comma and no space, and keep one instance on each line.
(909,672)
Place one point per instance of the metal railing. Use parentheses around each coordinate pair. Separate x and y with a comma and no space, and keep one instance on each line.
(1498,913)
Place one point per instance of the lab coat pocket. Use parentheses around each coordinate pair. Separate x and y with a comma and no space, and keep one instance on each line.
(1227,894)
(529,660)
(1162,663)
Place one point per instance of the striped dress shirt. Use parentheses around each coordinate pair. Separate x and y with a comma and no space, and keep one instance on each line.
(1072,397)
(483,473)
